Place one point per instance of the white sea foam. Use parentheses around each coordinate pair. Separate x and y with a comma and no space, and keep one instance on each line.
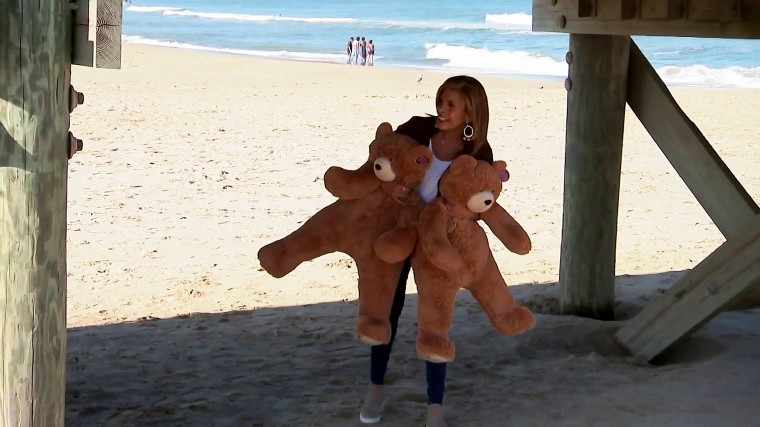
(500,61)
(510,20)
(700,75)
(223,16)
(148,9)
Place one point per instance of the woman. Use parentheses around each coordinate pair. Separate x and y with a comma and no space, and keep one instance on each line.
(370,53)
(460,127)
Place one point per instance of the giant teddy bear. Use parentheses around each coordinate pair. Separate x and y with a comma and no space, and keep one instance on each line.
(453,252)
(376,209)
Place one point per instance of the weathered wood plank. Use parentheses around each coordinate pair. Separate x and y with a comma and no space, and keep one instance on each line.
(628,17)
(714,10)
(659,10)
(700,294)
(593,158)
(97,33)
(718,191)
(34,120)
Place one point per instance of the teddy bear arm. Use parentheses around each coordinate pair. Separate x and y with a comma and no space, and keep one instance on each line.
(434,237)
(314,238)
(507,229)
(351,184)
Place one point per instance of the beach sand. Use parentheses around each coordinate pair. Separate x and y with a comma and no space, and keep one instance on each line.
(192,161)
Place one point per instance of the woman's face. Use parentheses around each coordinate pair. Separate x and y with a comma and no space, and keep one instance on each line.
(451,110)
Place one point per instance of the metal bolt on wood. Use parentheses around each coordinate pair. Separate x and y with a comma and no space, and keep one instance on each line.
(561,21)
(568,84)
(74,145)
(75,98)
(569,58)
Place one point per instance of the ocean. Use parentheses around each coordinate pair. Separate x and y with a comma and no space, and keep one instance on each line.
(478,36)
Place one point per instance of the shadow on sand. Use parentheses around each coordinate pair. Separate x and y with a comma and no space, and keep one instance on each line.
(281,366)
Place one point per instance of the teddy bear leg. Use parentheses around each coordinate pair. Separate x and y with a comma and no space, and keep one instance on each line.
(493,295)
(434,315)
(377,286)
(309,241)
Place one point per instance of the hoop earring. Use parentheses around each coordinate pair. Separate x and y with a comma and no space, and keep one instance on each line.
(468,132)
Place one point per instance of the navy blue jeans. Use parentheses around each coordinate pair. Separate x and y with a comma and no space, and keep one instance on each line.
(435,373)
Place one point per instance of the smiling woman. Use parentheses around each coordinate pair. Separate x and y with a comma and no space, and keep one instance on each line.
(461,127)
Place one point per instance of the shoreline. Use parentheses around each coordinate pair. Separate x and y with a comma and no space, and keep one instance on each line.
(452,71)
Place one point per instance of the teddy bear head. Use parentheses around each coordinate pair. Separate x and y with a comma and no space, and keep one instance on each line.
(399,162)
(473,185)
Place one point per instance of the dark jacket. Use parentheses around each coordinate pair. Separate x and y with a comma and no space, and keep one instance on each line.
(421,129)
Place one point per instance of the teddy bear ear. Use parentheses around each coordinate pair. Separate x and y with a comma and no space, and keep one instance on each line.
(385,128)
(422,155)
(463,161)
(501,167)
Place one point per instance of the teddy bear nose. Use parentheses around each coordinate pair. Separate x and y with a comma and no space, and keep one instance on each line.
(488,202)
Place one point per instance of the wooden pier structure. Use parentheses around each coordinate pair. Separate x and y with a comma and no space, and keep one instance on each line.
(606,71)
(39,41)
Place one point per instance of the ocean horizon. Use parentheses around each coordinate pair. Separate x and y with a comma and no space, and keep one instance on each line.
(484,37)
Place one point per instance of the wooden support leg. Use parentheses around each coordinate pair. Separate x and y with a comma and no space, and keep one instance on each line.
(700,294)
(35,74)
(593,156)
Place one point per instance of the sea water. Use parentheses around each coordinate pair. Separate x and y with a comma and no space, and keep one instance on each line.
(477,36)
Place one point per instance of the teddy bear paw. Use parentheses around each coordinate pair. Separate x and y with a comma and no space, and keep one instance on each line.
(270,259)
(394,246)
(434,347)
(373,331)
(518,320)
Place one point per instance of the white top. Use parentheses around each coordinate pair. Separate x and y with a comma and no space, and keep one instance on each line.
(428,190)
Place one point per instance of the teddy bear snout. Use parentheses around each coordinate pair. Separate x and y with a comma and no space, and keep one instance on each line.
(480,202)
(383,169)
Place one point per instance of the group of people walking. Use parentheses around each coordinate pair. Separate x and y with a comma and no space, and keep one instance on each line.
(360,51)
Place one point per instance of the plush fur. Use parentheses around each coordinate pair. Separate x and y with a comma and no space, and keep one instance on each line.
(454,252)
(376,207)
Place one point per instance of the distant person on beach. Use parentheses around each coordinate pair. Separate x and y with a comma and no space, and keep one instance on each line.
(460,127)
(355,51)
(349,49)
(370,53)
(364,51)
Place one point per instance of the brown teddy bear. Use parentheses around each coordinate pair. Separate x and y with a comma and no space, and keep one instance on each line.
(453,252)
(376,206)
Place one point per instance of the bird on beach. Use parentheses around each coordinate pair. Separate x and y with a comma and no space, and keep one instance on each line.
(419,78)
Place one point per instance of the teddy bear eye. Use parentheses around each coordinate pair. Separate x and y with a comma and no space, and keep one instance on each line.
(384,170)
(480,202)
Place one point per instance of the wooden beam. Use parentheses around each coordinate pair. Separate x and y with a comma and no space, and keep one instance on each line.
(97,33)
(718,191)
(700,294)
(658,10)
(714,10)
(593,157)
(35,74)
(691,18)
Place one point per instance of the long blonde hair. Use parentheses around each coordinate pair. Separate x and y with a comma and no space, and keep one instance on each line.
(476,107)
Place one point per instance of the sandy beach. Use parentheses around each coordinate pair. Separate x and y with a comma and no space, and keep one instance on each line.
(192,161)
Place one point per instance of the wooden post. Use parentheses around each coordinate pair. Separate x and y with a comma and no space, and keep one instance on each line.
(593,156)
(35,74)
